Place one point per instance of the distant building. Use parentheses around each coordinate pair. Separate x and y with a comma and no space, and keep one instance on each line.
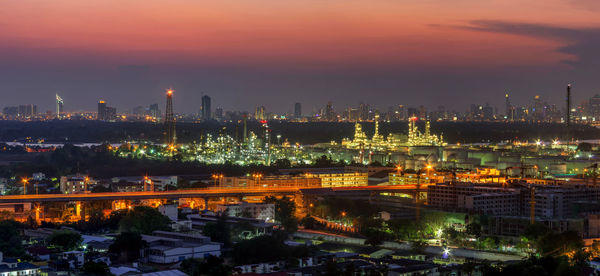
(154,111)
(76,184)
(27,110)
(101,111)
(259,114)
(206,109)
(297,111)
(219,114)
(59,106)
(105,112)
(343,179)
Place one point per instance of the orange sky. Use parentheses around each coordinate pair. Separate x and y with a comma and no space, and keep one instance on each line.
(311,33)
(432,40)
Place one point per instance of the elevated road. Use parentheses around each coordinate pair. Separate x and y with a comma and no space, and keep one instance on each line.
(193,193)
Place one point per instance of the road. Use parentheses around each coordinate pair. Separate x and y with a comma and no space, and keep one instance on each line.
(190,193)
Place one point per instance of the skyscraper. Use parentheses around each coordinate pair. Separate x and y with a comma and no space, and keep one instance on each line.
(297,111)
(259,114)
(568,117)
(27,110)
(329,113)
(509,110)
(154,111)
(219,113)
(59,106)
(170,119)
(101,111)
(206,111)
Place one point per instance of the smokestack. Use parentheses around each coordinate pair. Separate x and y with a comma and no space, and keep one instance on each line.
(568,105)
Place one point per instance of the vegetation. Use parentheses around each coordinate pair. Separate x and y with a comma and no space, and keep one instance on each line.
(211,265)
(65,240)
(218,231)
(95,269)
(268,248)
(143,220)
(127,246)
(285,210)
(10,239)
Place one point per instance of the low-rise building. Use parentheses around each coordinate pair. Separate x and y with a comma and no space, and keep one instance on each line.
(76,184)
(12,267)
(261,211)
(171,247)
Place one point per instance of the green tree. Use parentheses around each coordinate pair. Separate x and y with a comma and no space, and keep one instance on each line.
(218,231)
(211,265)
(95,269)
(127,246)
(144,220)
(285,210)
(418,246)
(474,229)
(65,240)
(374,237)
(10,239)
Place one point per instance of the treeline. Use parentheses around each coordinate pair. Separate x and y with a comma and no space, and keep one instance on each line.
(305,133)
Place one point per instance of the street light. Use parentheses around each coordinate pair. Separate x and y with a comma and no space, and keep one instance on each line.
(25,181)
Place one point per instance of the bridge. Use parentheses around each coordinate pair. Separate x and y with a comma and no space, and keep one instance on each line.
(198,193)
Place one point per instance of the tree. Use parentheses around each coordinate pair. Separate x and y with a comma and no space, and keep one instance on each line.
(583,146)
(127,246)
(95,268)
(474,229)
(218,231)
(285,209)
(65,240)
(374,237)
(210,265)
(266,249)
(418,246)
(10,239)
(283,163)
(560,243)
(144,220)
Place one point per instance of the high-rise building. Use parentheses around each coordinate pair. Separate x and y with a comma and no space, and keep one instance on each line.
(10,111)
(509,112)
(105,112)
(364,112)
(568,117)
(219,113)
(170,120)
(297,111)
(59,106)
(101,111)
(259,114)
(154,111)
(27,110)
(594,103)
(329,113)
(206,111)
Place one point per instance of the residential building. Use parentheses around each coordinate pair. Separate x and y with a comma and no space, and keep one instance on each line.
(261,211)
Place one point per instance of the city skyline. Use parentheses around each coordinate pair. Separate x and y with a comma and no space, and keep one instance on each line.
(246,55)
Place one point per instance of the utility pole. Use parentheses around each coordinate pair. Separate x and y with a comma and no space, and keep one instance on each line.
(532,205)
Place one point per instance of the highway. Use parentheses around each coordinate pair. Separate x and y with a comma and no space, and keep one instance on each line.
(191,193)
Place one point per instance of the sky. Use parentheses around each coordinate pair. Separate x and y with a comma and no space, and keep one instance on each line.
(275,53)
